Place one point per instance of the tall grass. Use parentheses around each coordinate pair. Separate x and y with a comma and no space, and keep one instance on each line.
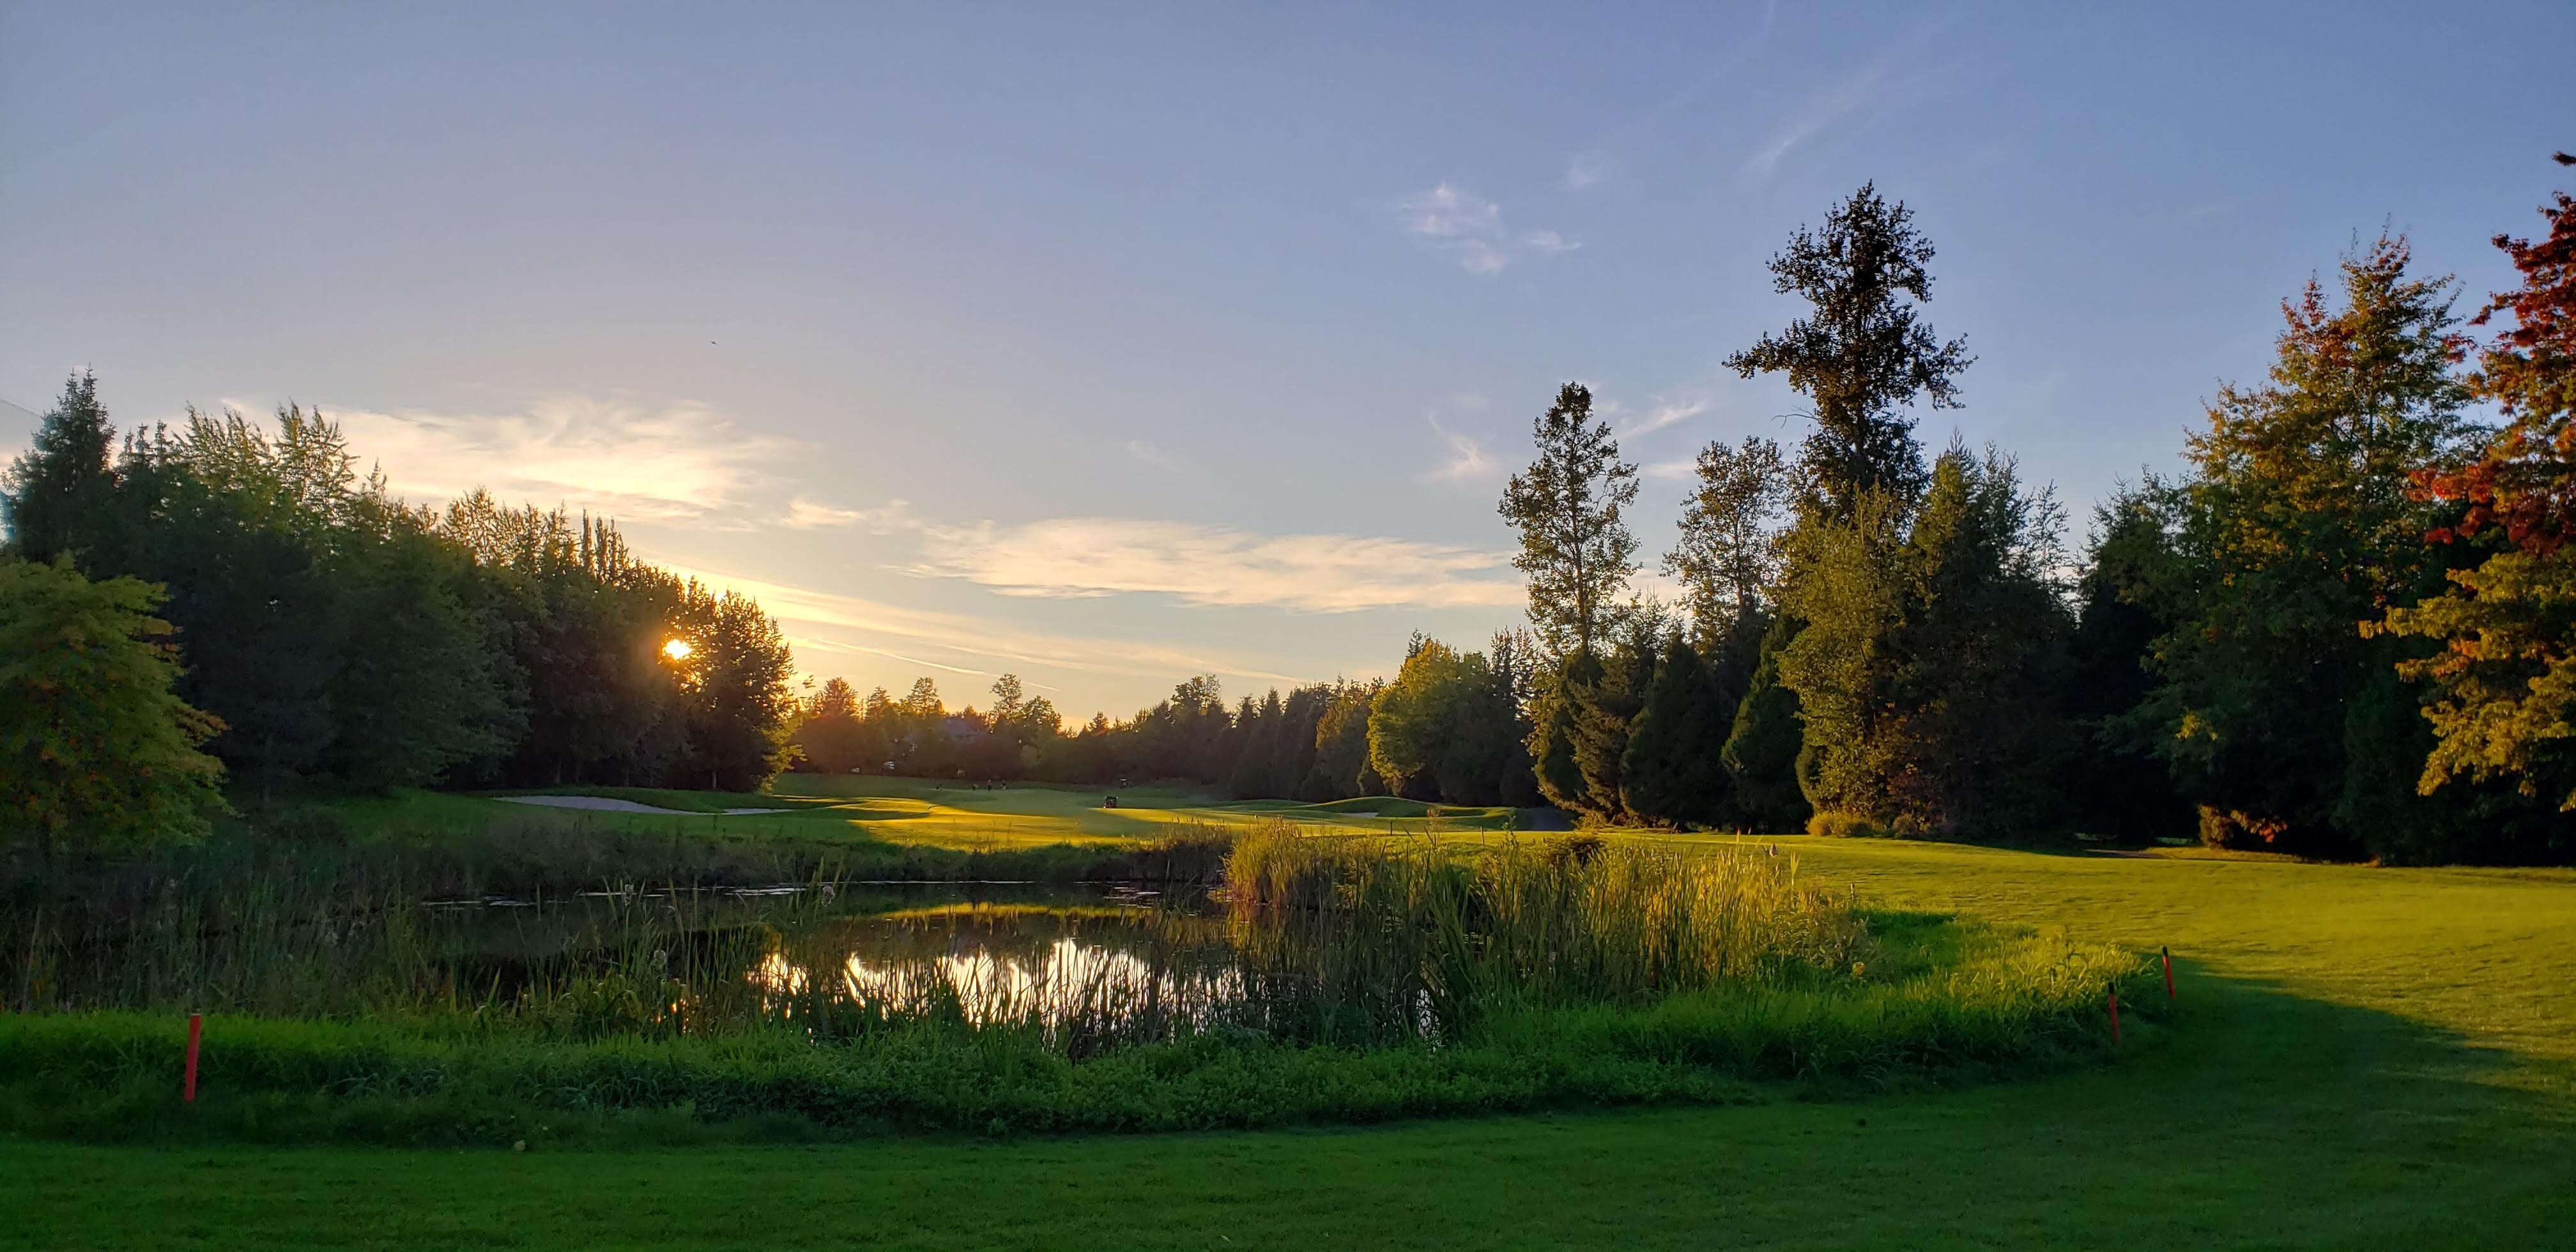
(1431,938)
(1344,979)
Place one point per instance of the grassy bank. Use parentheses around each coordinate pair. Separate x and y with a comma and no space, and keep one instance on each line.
(2372,1058)
(1364,981)
(2016,1005)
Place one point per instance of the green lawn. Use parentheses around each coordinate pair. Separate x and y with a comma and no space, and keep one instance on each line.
(2369,1058)
(851,808)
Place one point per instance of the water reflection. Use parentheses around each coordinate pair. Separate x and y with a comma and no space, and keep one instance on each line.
(1101,968)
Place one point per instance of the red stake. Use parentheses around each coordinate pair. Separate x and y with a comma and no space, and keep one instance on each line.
(2115,1016)
(2168,953)
(196,1028)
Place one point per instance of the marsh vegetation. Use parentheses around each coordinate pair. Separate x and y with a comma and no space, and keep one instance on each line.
(1328,977)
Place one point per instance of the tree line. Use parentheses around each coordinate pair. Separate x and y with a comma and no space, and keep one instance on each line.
(2343,628)
(329,633)
(1446,728)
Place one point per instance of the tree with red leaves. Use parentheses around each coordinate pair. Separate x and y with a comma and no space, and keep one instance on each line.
(2504,679)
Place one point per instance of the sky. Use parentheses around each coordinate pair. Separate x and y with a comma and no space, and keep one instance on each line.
(1106,345)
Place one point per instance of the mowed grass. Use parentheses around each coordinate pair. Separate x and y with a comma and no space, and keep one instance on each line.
(917,812)
(2366,1058)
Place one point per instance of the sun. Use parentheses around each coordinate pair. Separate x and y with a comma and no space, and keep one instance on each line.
(677,649)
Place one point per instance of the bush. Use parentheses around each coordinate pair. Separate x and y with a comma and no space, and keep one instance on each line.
(1845,826)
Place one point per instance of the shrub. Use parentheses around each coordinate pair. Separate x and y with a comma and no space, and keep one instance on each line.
(1845,826)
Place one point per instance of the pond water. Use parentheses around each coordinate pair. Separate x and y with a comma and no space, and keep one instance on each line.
(1096,960)
(1100,961)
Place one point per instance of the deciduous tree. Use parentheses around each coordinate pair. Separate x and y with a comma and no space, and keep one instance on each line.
(1569,506)
(95,747)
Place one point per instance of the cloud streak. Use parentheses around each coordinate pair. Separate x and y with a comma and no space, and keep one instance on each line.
(659,462)
(1665,413)
(1215,567)
(1467,460)
(1856,93)
(1469,230)
(831,623)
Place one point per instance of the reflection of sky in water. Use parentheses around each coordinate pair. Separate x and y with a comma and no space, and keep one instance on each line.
(1069,979)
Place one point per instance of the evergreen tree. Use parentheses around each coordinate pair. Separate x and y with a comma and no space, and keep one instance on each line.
(1671,774)
(1849,595)
(2133,590)
(1602,713)
(1971,738)
(1293,751)
(52,498)
(1256,739)
(1766,740)
(1563,692)
(2302,520)
(1513,661)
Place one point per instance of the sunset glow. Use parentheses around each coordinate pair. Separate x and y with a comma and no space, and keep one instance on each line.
(677,650)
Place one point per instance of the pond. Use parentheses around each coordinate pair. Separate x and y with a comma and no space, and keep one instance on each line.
(1317,942)
(1084,965)
(1093,959)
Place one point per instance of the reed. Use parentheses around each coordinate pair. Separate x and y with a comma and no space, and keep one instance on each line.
(1433,936)
(1345,978)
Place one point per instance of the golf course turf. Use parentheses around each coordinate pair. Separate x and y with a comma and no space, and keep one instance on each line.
(2364,1058)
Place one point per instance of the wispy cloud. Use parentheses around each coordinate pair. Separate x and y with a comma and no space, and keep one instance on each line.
(826,623)
(888,518)
(1211,566)
(1146,452)
(1665,413)
(649,461)
(1584,170)
(1853,94)
(804,514)
(1469,229)
(1467,459)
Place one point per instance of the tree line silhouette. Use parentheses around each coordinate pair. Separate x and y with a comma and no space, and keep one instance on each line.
(2347,626)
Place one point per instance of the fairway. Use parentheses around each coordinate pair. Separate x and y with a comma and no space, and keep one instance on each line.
(905,811)
(2368,1057)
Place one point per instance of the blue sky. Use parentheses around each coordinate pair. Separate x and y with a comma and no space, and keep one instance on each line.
(1110,345)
